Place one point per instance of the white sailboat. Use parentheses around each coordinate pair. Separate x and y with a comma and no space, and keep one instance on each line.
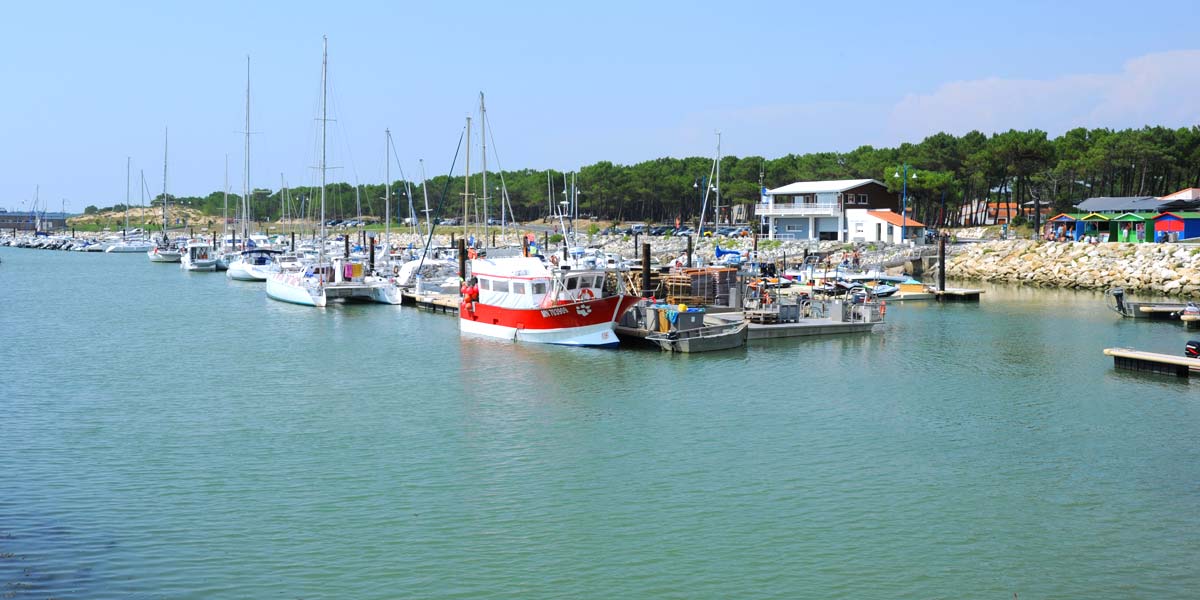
(308,287)
(129,244)
(337,278)
(164,252)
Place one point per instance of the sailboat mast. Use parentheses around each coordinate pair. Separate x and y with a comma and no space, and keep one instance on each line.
(123,232)
(246,174)
(718,184)
(467,178)
(166,138)
(225,215)
(425,192)
(387,189)
(483,157)
(324,117)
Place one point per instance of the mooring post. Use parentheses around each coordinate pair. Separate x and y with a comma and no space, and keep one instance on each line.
(546,241)
(346,243)
(371,260)
(462,262)
(941,263)
(689,252)
(646,270)
(293,241)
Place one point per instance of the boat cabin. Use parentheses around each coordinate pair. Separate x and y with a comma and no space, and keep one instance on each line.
(525,282)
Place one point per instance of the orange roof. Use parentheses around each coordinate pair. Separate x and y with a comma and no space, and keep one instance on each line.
(894,219)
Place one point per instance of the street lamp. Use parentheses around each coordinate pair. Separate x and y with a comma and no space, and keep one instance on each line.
(904,205)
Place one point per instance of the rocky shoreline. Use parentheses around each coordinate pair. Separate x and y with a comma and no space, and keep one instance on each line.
(1171,269)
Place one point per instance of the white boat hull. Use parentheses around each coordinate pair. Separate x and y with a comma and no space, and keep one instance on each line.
(293,288)
(164,256)
(600,334)
(244,272)
(129,248)
(198,265)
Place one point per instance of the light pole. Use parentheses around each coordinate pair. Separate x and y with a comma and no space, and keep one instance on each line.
(904,200)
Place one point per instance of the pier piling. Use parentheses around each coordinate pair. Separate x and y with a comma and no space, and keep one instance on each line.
(371,260)
(646,270)
(346,240)
(462,260)
(941,263)
(689,252)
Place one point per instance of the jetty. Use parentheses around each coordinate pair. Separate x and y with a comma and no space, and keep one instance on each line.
(1152,362)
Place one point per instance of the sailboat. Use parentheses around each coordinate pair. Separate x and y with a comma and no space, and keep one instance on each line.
(128,244)
(255,263)
(339,277)
(163,252)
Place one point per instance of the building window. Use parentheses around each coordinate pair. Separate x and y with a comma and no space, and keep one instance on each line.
(795,228)
(858,227)
(862,199)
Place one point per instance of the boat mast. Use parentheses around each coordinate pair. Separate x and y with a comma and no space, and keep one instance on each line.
(425,192)
(225,215)
(246,174)
(166,137)
(324,116)
(467,178)
(124,231)
(718,184)
(483,156)
(387,190)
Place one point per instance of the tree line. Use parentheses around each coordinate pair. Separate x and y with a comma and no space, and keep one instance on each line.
(1012,166)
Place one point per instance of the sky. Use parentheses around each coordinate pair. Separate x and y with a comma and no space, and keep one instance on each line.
(88,84)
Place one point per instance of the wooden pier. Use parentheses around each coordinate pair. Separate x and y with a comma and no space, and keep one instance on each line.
(438,303)
(1153,362)
(957,295)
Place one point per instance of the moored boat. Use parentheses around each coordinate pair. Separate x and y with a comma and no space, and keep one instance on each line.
(521,299)
(198,256)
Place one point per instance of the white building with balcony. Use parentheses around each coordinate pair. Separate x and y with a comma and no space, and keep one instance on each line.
(816,210)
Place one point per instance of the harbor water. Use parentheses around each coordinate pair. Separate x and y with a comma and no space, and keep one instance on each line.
(174,435)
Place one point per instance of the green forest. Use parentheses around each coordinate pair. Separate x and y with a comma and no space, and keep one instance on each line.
(1017,166)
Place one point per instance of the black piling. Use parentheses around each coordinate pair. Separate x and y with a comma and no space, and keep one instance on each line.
(646,271)
(462,259)
(941,263)
(293,241)
(346,240)
(372,253)
(689,252)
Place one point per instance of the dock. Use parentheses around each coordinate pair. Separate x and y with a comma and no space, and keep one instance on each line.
(1153,362)
(438,303)
(957,295)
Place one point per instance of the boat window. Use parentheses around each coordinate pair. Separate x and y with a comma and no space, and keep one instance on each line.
(519,287)
(485,284)
(539,287)
(500,286)
(572,283)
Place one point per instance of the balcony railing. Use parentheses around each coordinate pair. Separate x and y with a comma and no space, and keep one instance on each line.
(799,209)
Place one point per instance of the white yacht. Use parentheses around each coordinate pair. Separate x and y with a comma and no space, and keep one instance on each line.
(198,255)
(254,265)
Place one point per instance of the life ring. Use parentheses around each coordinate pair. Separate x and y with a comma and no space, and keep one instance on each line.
(396,270)
(882,308)
(472,254)
(586,294)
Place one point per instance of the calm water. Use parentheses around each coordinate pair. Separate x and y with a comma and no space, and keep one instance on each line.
(167,435)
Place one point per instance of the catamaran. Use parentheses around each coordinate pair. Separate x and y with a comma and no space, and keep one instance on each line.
(339,277)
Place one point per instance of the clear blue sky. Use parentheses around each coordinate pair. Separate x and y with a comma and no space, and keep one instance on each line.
(87,84)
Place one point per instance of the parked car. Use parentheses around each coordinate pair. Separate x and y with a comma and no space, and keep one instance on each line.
(661,230)
(684,231)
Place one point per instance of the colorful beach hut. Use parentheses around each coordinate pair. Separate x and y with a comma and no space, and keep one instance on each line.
(1066,225)
(1096,224)
(1134,227)
(1176,225)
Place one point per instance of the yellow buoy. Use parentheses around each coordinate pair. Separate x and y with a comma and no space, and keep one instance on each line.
(682,308)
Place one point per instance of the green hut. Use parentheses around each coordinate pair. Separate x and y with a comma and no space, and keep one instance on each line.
(1134,227)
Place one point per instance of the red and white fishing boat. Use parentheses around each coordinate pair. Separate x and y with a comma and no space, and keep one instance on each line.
(522,299)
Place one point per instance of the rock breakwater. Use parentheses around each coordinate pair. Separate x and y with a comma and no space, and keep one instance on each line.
(1172,269)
